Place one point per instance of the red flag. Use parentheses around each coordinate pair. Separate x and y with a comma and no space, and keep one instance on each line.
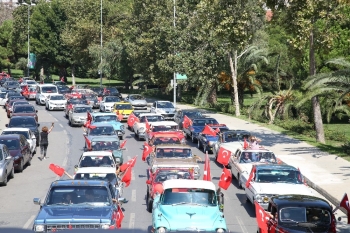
(223,156)
(130,163)
(209,131)
(147,149)
(345,204)
(88,143)
(70,226)
(225,179)
(245,144)
(26,89)
(251,176)
(119,115)
(89,126)
(127,177)
(187,122)
(148,126)
(301,178)
(57,169)
(131,120)
(120,217)
(89,117)
(123,144)
(206,174)
(261,217)
(62,79)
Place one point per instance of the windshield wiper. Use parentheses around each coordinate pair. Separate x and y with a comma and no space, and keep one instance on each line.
(181,203)
(62,203)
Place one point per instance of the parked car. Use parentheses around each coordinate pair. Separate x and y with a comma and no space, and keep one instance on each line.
(190,113)
(109,118)
(197,127)
(139,126)
(25,122)
(27,133)
(7,169)
(166,108)
(25,110)
(55,101)
(137,101)
(77,115)
(19,149)
(108,102)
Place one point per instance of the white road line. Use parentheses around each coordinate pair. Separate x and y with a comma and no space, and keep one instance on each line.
(65,161)
(61,125)
(133,195)
(27,225)
(65,132)
(132,221)
(132,175)
(240,223)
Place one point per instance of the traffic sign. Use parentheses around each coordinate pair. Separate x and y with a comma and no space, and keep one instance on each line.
(181,76)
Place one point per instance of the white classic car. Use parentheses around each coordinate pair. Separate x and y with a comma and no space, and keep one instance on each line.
(55,101)
(171,151)
(96,159)
(140,127)
(271,180)
(27,133)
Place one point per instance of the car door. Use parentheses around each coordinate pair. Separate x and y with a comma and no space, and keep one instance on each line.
(33,140)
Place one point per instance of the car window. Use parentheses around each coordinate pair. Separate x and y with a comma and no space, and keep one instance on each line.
(24,133)
(1,155)
(2,95)
(160,128)
(165,105)
(105,118)
(22,122)
(57,97)
(24,109)
(105,145)
(112,99)
(123,107)
(187,195)
(154,118)
(49,89)
(12,144)
(20,103)
(102,130)
(82,109)
(136,97)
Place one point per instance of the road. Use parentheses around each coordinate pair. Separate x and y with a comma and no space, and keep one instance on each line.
(65,147)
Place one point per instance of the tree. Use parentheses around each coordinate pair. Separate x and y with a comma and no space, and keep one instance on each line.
(6,53)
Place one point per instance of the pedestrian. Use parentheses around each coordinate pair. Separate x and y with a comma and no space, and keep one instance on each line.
(44,140)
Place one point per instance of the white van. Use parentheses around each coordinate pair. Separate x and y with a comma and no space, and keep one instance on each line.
(42,91)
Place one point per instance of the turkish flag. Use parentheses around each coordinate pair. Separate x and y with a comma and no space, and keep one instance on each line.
(261,217)
(187,122)
(225,179)
(245,144)
(147,149)
(148,126)
(57,169)
(89,126)
(89,117)
(26,89)
(223,156)
(206,174)
(62,79)
(251,176)
(119,115)
(123,144)
(127,177)
(120,217)
(345,204)
(131,120)
(88,143)
(209,131)
(130,163)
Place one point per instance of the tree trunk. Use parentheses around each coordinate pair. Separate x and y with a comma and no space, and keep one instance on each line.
(179,92)
(73,75)
(212,97)
(315,102)
(234,80)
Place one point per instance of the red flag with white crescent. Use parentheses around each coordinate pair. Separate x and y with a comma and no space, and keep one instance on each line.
(225,178)
(207,174)
(120,217)
(147,149)
(261,217)
(123,144)
(147,125)
(187,122)
(345,204)
(251,176)
(209,131)
(131,120)
(223,156)
(130,163)
(127,177)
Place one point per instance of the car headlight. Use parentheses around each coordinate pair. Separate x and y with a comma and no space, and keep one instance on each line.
(220,230)
(161,230)
(39,228)
(265,199)
(122,127)
(105,226)
(258,198)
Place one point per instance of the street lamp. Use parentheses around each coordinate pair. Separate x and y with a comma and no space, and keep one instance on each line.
(101,51)
(174,81)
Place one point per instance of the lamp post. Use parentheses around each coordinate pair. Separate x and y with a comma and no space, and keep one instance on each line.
(101,51)
(174,81)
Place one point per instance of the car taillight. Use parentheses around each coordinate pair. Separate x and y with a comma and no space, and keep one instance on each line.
(333,228)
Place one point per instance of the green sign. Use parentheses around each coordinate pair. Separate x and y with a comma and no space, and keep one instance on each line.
(32,60)
(181,76)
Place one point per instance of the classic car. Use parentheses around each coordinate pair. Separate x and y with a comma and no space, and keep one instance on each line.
(197,127)
(139,127)
(77,115)
(7,170)
(226,137)
(59,213)
(25,110)
(161,175)
(43,91)
(171,151)
(190,113)
(30,94)
(27,133)
(137,101)
(172,137)
(71,102)
(123,108)
(25,122)
(133,118)
(11,105)
(242,160)
(188,205)
(95,159)
(109,118)
(55,101)
(100,129)
(107,103)
(206,142)
(161,126)
(270,180)
(166,108)
(299,213)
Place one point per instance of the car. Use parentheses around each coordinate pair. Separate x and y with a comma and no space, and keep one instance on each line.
(19,149)
(161,175)
(133,118)
(2,98)
(206,141)
(29,82)
(162,126)
(13,98)
(137,101)
(27,133)
(7,169)
(77,115)
(92,100)
(188,205)
(11,85)
(110,118)
(59,83)
(12,104)
(107,103)
(55,101)
(94,159)
(8,95)
(270,180)
(63,90)
(190,113)
(140,127)
(242,160)
(171,151)
(109,91)
(71,102)
(166,108)
(25,110)
(231,140)
(25,122)
(172,137)
(299,213)
(57,213)
(30,94)
(77,93)
(43,91)
(197,127)
(124,109)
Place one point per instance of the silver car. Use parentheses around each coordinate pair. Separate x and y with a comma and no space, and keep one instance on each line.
(6,165)
(137,101)
(78,114)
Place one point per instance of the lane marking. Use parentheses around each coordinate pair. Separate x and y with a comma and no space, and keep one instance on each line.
(132,175)
(65,132)
(65,161)
(61,125)
(132,221)
(240,223)
(28,223)
(133,195)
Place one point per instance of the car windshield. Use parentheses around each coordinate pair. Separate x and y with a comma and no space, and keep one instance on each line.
(24,109)
(57,97)
(102,130)
(165,105)
(152,118)
(32,89)
(82,109)
(11,83)
(112,90)
(90,97)
(264,156)
(13,94)
(105,145)
(123,107)
(314,215)
(204,122)
(161,128)
(136,97)
(166,140)
(181,196)
(77,101)
(24,133)
(22,122)
(110,99)
(79,195)
(30,82)
(234,136)
(96,161)
(164,175)
(174,153)
(2,95)
(12,144)
(106,118)
(49,89)
(16,98)
(278,175)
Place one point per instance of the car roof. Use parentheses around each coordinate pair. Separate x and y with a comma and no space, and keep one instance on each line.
(96,170)
(46,85)
(81,105)
(159,123)
(94,153)
(22,117)
(277,166)
(10,136)
(200,184)
(102,124)
(173,146)
(103,114)
(16,129)
(149,114)
(300,200)
(79,183)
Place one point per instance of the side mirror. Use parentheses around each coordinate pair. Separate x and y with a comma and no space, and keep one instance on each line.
(7,125)
(33,137)
(85,134)
(148,182)
(36,111)
(9,157)
(38,124)
(36,201)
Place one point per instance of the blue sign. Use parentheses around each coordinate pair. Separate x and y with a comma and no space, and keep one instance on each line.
(181,76)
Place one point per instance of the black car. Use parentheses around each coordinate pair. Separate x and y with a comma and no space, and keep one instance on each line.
(190,113)
(109,91)
(11,85)
(62,89)
(25,122)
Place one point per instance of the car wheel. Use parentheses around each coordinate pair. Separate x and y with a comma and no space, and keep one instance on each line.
(4,183)
(193,139)
(12,174)
(149,205)
(121,137)
(198,145)
(29,162)
(239,182)
(205,149)
(21,166)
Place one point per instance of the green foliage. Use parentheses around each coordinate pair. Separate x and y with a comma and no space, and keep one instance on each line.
(6,53)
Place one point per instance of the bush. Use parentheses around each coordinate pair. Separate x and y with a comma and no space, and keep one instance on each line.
(297,126)
(346,148)
(335,135)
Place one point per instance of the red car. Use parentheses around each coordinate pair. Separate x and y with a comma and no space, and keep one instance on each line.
(161,175)
(30,94)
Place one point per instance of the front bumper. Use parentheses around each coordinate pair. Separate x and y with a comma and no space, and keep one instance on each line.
(142,135)
(31,97)
(139,106)
(57,106)
(108,108)
(78,121)
(67,226)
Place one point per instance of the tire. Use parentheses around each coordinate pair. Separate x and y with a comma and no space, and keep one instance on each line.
(149,203)
(137,136)
(199,145)
(239,182)
(4,183)
(12,174)
(21,166)
(205,148)
(193,139)
(29,162)
(120,137)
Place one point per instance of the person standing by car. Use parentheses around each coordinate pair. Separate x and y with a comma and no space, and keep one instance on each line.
(44,140)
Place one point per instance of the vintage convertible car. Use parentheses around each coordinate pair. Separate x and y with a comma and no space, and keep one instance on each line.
(171,151)
(197,127)
(124,109)
(271,180)
(139,126)
(110,118)
(229,136)
(133,118)
(206,142)
(188,205)
(297,213)
(77,115)
(172,137)
(96,159)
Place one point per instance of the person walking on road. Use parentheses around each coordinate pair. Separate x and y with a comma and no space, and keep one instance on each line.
(44,140)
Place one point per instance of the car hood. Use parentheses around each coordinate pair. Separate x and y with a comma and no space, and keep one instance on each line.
(197,129)
(109,103)
(58,101)
(83,114)
(24,114)
(72,214)
(138,101)
(283,188)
